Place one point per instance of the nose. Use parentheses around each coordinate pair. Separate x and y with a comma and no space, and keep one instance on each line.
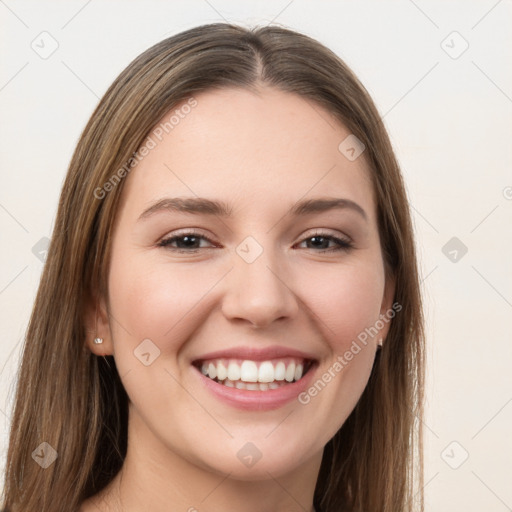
(258,292)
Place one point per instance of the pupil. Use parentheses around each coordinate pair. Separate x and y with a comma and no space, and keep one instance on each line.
(188,240)
(317,238)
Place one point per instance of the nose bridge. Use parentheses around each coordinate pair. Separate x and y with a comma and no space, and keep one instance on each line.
(257,292)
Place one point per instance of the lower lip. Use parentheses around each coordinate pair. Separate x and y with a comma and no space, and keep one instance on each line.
(257,400)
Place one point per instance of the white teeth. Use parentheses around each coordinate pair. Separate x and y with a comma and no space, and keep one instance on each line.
(298,371)
(233,371)
(252,386)
(266,372)
(249,371)
(279,371)
(262,375)
(290,372)
(222,371)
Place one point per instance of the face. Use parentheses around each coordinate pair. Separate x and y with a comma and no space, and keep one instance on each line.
(232,333)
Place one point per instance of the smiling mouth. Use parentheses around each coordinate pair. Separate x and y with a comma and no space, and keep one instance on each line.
(255,375)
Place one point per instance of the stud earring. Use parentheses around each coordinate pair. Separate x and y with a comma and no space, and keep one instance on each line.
(97,341)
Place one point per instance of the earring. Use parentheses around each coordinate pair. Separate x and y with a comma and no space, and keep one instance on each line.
(97,341)
(379,344)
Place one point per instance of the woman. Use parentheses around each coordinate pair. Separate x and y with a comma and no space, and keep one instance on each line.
(229,317)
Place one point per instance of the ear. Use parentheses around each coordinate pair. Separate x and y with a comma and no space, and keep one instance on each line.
(97,325)
(387,311)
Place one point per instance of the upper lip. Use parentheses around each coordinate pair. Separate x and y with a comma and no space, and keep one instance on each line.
(256,354)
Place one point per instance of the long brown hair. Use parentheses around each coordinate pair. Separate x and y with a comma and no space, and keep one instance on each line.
(75,401)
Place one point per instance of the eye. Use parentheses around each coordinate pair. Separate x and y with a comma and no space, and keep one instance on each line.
(186,242)
(320,239)
(190,242)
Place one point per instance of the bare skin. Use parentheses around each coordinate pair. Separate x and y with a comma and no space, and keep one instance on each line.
(260,154)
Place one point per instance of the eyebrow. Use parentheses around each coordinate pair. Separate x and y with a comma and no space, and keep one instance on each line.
(201,205)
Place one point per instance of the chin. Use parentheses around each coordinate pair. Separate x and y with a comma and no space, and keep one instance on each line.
(252,461)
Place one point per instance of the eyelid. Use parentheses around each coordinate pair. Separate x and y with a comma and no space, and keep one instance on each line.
(342,242)
(187,231)
(199,232)
(195,232)
(325,232)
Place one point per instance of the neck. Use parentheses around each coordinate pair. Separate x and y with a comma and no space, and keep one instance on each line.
(153,477)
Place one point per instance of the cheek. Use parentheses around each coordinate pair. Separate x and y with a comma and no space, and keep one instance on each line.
(153,300)
(346,300)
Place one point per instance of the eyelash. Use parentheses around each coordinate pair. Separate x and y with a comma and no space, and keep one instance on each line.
(344,244)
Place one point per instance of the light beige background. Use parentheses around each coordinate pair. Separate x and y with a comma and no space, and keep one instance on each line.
(449,116)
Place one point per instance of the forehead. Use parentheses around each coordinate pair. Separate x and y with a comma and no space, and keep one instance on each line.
(265,149)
